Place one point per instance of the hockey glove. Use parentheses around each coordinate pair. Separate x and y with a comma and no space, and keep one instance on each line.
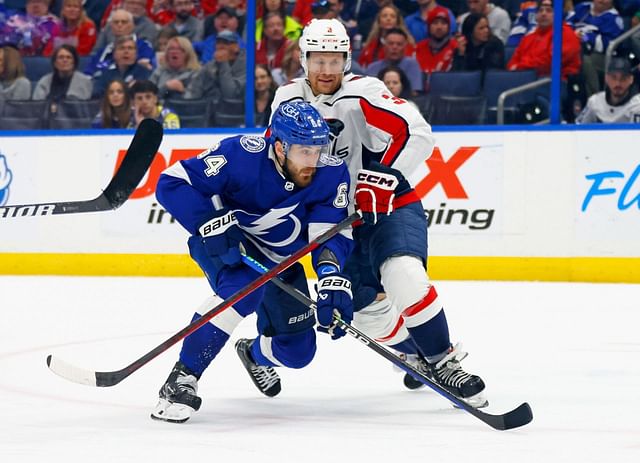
(222,239)
(334,295)
(375,191)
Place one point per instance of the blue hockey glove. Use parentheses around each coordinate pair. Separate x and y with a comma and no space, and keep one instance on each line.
(334,294)
(222,239)
(376,190)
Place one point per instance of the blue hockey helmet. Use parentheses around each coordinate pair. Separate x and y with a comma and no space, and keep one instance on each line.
(297,122)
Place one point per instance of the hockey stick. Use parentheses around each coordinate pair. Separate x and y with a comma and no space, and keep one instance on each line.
(141,152)
(512,419)
(111,378)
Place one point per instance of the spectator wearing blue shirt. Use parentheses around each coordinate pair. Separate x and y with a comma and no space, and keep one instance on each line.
(121,24)
(224,19)
(596,24)
(417,22)
(395,43)
(124,67)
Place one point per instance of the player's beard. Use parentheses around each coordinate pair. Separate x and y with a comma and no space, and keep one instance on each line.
(301,177)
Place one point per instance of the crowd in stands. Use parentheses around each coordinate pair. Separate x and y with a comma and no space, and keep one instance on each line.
(183,62)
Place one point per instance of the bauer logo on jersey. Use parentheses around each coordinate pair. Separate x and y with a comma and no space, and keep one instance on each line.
(277,228)
(5,180)
(253,144)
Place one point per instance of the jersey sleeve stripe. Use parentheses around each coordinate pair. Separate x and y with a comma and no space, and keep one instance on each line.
(177,170)
(390,123)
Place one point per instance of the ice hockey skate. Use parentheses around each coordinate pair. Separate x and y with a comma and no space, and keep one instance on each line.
(178,396)
(449,374)
(266,379)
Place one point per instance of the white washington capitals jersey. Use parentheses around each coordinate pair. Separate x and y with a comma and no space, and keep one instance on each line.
(599,110)
(366,121)
(278,217)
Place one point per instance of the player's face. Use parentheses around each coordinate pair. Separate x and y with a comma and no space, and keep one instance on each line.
(325,72)
(618,83)
(301,162)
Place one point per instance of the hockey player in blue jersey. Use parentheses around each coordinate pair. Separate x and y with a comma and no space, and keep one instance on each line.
(383,140)
(268,197)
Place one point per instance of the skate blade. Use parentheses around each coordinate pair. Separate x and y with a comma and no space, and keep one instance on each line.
(476,401)
(171,412)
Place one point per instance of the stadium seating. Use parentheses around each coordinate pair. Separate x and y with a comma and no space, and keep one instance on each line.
(497,81)
(192,113)
(458,110)
(456,83)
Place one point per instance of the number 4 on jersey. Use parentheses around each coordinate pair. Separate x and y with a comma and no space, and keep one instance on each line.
(214,164)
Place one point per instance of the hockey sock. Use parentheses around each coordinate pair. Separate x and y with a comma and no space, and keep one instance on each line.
(288,350)
(433,336)
(200,348)
(408,346)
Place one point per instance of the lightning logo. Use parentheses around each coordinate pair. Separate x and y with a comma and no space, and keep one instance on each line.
(5,180)
(277,228)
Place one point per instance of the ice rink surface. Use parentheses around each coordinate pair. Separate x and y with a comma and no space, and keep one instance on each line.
(571,350)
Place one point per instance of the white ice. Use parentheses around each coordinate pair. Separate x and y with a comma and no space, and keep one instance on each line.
(571,350)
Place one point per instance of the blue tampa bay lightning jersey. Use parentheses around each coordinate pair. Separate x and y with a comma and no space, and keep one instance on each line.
(240,174)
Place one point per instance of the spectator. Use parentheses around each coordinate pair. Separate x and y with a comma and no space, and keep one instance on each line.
(144,96)
(524,22)
(145,28)
(291,67)
(13,84)
(117,5)
(635,38)
(162,40)
(395,44)
(365,13)
(31,32)
(478,48)
(618,103)
(396,81)
(534,51)
(596,24)
(436,53)
(182,63)
(115,110)
(302,11)
(124,67)
(417,23)
(388,17)
(265,89)
(270,50)
(499,20)
(95,10)
(120,25)
(225,75)
(185,23)
(65,82)
(225,19)
(162,12)
(292,28)
(75,29)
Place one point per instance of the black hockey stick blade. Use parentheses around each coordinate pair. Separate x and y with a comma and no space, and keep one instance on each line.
(513,419)
(111,378)
(141,152)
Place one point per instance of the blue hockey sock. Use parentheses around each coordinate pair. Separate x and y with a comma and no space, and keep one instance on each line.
(288,350)
(200,348)
(432,337)
(407,346)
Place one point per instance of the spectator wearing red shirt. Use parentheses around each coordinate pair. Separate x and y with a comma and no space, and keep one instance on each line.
(270,50)
(436,53)
(75,29)
(388,17)
(534,51)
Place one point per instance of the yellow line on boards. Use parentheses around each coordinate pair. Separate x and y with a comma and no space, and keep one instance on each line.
(586,269)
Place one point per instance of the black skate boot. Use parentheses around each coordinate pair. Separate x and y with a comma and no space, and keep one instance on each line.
(449,374)
(178,396)
(266,379)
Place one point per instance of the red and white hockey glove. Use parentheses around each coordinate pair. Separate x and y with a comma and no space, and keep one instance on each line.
(375,191)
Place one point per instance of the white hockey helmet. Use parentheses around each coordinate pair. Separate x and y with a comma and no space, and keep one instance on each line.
(325,35)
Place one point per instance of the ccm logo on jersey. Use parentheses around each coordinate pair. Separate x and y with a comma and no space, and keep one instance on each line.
(384,181)
(218,225)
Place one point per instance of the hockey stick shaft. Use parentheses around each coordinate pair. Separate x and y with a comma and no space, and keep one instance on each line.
(107,379)
(515,418)
(140,153)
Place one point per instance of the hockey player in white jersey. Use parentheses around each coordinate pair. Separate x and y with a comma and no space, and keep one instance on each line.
(618,103)
(383,139)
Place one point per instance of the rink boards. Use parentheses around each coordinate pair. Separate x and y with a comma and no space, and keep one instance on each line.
(556,205)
